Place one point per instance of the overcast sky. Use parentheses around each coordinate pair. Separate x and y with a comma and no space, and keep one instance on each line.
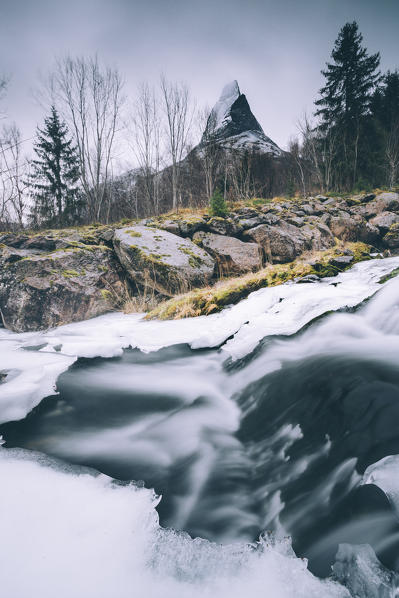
(274,48)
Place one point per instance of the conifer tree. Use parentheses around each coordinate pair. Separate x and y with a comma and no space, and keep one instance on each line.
(345,99)
(55,174)
(217,204)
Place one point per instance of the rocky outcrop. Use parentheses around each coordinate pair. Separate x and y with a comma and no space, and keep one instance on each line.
(162,261)
(44,289)
(232,255)
(59,276)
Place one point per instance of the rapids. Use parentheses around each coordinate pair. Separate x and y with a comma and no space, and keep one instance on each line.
(269,418)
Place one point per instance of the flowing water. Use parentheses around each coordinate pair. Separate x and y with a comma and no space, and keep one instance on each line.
(274,440)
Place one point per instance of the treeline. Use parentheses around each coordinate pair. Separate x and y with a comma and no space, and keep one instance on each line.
(352,142)
(82,169)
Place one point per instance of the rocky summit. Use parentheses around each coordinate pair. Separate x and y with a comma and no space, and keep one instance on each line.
(54,277)
(233,126)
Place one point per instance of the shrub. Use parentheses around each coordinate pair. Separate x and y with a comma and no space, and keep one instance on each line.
(217,204)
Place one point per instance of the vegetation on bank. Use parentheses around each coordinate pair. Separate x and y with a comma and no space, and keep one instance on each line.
(230,291)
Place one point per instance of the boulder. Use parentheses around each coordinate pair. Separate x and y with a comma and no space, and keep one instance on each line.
(348,227)
(384,202)
(281,244)
(162,261)
(391,239)
(232,255)
(223,226)
(318,234)
(342,261)
(384,220)
(267,218)
(172,226)
(38,291)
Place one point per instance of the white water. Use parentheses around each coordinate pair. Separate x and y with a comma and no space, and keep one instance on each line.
(67,533)
(281,310)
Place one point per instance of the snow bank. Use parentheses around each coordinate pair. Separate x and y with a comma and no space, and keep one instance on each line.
(68,532)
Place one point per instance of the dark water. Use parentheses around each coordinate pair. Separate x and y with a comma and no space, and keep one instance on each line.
(235,450)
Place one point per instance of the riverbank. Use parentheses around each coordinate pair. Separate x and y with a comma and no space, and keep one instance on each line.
(187,264)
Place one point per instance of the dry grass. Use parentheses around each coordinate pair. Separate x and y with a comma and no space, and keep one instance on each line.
(231,290)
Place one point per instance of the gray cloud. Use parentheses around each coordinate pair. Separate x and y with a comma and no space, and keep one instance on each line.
(275,49)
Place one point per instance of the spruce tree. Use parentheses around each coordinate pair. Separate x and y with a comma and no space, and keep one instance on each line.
(345,99)
(55,174)
(217,204)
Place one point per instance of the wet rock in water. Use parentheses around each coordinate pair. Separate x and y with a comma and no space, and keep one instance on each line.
(232,255)
(391,239)
(309,278)
(341,262)
(358,569)
(162,261)
(48,289)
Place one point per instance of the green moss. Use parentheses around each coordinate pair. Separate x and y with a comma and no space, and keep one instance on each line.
(106,295)
(231,291)
(389,276)
(133,233)
(194,260)
(70,273)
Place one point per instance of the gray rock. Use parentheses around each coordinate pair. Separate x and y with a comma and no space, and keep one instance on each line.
(353,228)
(223,226)
(41,291)
(391,239)
(161,260)
(307,208)
(171,226)
(341,262)
(318,234)
(232,255)
(384,202)
(309,278)
(281,244)
(384,220)
(295,221)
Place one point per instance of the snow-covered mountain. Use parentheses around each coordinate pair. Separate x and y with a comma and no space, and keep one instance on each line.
(232,124)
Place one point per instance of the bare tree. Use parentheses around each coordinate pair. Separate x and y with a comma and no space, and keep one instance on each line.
(90,97)
(392,154)
(209,150)
(13,167)
(295,151)
(179,114)
(147,125)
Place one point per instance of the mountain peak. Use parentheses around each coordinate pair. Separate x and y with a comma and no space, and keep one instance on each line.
(232,124)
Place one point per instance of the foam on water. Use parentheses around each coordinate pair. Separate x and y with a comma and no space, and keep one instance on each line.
(67,532)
